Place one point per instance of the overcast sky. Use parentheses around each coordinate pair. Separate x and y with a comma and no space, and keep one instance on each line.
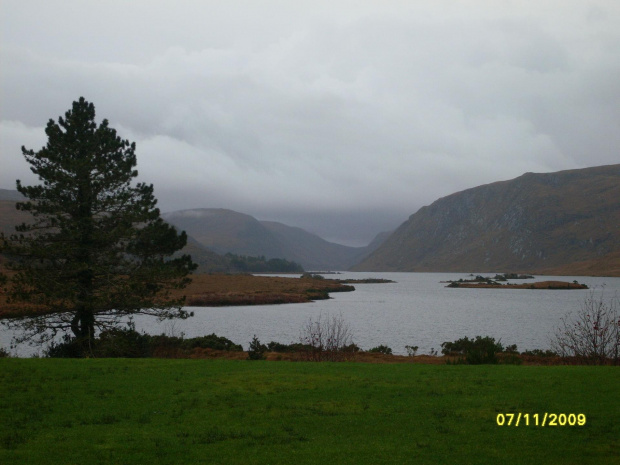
(339,117)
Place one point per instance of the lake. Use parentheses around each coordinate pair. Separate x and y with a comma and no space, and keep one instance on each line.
(417,310)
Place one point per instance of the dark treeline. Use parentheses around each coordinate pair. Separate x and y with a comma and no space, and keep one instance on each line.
(261,264)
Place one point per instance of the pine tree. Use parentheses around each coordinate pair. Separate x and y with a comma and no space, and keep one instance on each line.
(97,250)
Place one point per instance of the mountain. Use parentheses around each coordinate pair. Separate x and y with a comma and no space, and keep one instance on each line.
(313,252)
(10,217)
(207,260)
(228,231)
(13,195)
(225,231)
(214,232)
(553,223)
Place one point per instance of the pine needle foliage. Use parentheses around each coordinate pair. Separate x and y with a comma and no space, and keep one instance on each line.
(96,250)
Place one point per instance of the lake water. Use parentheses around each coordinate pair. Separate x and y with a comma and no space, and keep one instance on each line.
(417,310)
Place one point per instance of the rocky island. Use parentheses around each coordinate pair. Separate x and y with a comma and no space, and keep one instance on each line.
(537,285)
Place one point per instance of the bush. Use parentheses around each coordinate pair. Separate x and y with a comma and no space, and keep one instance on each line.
(351,348)
(285,348)
(511,349)
(126,343)
(113,343)
(68,348)
(593,334)
(326,339)
(540,353)
(411,350)
(381,350)
(4,353)
(211,342)
(129,343)
(256,350)
(481,350)
(312,276)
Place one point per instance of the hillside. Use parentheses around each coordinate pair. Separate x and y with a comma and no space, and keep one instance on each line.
(312,251)
(207,260)
(10,216)
(215,232)
(225,231)
(565,222)
(228,231)
(7,194)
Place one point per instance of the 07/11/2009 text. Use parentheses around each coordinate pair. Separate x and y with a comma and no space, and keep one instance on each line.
(536,419)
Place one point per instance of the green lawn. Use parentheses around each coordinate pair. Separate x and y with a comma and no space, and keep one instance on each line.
(151,411)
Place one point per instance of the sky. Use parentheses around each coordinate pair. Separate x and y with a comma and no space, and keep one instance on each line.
(340,117)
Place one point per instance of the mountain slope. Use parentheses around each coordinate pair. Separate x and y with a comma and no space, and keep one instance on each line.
(225,231)
(13,195)
(10,217)
(533,222)
(218,231)
(207,260)
(229,231)
(313,252)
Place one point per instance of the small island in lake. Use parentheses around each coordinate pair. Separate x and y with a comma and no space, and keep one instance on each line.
(488,280)
(365,281)
(537,285)
(349,281)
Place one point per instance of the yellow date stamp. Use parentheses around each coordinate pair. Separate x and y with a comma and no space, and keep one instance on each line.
(540,419)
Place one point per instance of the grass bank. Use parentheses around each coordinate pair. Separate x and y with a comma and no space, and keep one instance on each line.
(239,412)
(240,289)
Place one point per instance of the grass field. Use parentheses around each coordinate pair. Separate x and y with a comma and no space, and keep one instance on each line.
(60,411)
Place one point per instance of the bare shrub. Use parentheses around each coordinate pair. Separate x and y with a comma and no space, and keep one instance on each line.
(593,334)
(328,338)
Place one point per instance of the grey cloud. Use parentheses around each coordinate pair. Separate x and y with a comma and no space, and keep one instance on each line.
(370,110)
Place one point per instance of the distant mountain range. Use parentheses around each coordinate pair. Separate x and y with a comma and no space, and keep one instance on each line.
(10,217)
(214,232)
(225,231)
(565,222)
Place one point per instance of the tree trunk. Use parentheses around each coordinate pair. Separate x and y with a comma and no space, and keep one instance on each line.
(85,324)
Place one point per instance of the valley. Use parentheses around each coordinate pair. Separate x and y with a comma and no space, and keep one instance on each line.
(563,223)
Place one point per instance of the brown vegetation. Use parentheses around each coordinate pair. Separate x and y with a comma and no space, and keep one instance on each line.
(212,290)
(371,357)
(216,290)
(607,265)
(11,309)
